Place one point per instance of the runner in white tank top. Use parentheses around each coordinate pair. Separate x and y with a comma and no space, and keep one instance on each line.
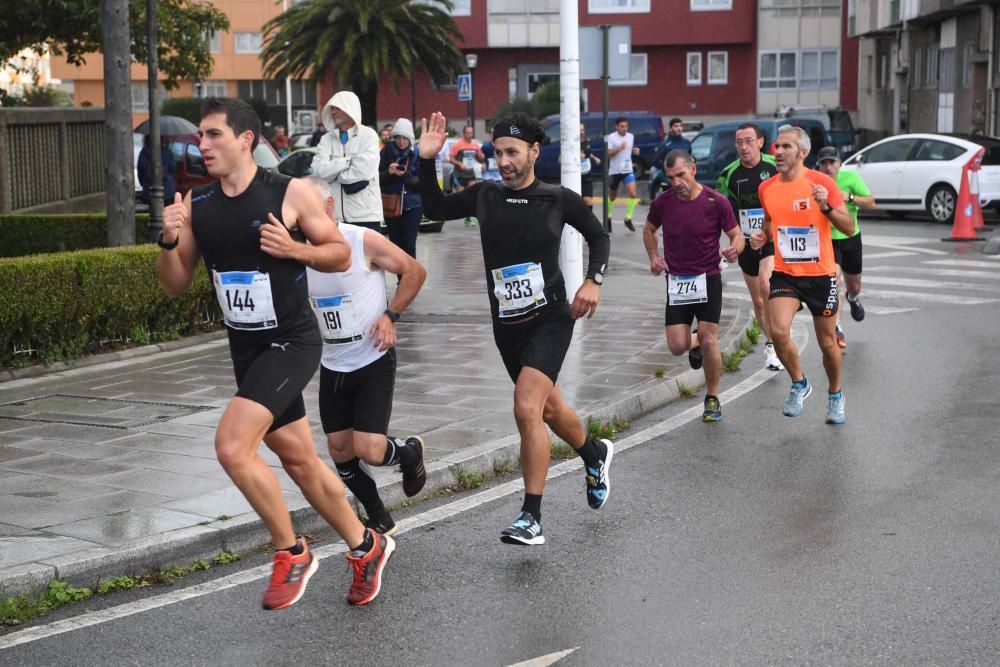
(358,371)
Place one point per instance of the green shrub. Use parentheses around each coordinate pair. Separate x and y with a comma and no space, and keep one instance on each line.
(64,305)
(33,233)
(185,107)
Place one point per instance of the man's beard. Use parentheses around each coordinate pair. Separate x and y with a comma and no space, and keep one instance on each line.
(519,177)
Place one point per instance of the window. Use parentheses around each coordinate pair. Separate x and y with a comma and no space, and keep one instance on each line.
(818,70)
(214,41)
(694,68)
(967,51)
(938,151)
(890,151)
(458,7)
(701,147)
(618,6)
(931,73)
(249,42)
(140,97)
(511,23)
(776,8)
(883,71)
(777,69)
(214,89)
(636,72)
(917,70)
(718,67)
(711,5)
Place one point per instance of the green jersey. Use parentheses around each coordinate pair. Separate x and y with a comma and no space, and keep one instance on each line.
(850,183)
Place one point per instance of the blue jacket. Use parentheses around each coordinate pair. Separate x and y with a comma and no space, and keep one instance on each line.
(392,184)
(669,144)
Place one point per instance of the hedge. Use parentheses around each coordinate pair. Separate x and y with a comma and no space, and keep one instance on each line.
(65,305)
(28,234)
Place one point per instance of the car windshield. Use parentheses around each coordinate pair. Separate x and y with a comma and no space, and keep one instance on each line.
(840,121)
(701,146)
(264,156)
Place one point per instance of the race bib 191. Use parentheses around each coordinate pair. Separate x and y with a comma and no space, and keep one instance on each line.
(338,323)
(751,220)
(245,299)
(798,245)
(519,288)
(684,290)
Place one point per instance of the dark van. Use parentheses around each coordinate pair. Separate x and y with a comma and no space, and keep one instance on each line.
(715,146)
(646,126)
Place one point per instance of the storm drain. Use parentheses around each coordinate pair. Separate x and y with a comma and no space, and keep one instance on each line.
(93,411)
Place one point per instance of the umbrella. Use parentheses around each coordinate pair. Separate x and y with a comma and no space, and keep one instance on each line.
(170,126)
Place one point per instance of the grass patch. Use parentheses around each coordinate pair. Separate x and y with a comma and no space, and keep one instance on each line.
(731,361)
(505,466)
(467,479)
(659,373)
(753,332)
(686,390)
(560,450)
(597,428)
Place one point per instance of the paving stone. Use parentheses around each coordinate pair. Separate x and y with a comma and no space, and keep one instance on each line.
(53,465)
(76,450)
(31,546)
(169,462)
(72,432)
(8,454)
(229,502)
(160,482)
(115,529)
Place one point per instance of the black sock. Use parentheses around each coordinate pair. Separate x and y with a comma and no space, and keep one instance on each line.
(297,548)
(366,544)
(361,485)
(533,504)
(589,453)
(405,454)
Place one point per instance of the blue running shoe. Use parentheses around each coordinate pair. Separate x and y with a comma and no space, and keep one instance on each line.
(525,531)
(598,481)
(835,409)
(793,404)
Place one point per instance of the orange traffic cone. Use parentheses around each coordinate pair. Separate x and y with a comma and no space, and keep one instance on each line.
(977,213)
(966,210)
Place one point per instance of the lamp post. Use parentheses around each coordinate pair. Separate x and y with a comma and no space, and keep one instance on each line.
(156,191)
(471,59)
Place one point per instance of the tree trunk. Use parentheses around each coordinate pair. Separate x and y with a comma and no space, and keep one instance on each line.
(119,183)
(367,92)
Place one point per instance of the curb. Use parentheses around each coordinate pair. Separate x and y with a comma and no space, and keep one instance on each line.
(246,532)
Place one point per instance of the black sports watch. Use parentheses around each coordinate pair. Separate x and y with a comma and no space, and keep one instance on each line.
(598,278)
(392,315)
(167,246)
(828,209)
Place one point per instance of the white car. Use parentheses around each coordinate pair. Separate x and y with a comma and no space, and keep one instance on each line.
(922,172)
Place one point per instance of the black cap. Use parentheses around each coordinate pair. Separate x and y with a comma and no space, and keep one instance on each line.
(827,153)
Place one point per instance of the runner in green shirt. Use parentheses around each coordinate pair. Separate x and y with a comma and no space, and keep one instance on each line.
(847,249)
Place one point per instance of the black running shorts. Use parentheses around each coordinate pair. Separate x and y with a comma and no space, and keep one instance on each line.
(586,187)
(750,259)
(848,254)
(709,311)
(540,342)
(276,376)
(359,400)
(819,293)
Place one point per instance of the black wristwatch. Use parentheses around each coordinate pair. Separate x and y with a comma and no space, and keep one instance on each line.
(167,246)
(827,211)
(392,315)
(598,278)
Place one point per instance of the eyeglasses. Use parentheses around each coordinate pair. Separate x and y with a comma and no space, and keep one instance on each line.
(745,142)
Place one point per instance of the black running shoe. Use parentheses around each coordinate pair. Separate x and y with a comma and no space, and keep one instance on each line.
(414,477)
(382,523)
(598,480)
(857,310)
(713,410)
(628,225)
(694,357)
(525,531)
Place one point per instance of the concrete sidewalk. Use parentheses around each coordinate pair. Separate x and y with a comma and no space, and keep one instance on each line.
(109,468)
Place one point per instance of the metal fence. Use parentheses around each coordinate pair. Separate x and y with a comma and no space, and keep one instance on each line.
(50,156)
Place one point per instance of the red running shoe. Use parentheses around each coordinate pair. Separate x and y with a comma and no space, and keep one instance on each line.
(289,577)
(368,570)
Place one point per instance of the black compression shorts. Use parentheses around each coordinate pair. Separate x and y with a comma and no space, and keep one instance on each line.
(709,311)
(276,376)
(540,342)
(359,400)
(848,254)
(749,259)
(819,293)
(586,186)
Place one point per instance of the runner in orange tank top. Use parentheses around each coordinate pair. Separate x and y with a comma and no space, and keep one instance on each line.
(800,205)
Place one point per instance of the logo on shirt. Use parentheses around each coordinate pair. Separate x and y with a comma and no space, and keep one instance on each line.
(255,224)
(511,200)
(764,176)
(801,204)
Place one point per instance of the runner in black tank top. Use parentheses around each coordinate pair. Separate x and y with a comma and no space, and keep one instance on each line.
(521,222)
(256,265)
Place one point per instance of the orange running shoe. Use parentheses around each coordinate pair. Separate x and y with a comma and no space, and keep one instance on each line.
(368,570)
(289,577)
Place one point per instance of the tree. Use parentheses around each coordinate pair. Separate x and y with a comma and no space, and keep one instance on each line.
(73,28)
(360,40)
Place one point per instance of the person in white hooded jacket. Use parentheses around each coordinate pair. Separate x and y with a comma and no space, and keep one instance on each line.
(347,158)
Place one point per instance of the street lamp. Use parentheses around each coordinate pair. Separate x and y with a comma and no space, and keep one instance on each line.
(471,59)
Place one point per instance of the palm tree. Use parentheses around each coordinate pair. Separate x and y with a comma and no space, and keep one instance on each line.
(359,40)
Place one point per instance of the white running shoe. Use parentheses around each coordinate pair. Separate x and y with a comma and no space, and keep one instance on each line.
(773,363)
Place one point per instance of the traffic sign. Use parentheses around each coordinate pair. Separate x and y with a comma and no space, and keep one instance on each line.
(464,87)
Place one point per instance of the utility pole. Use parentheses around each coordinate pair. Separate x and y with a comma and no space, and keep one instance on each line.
(156,192)
(119,179)
(571,254)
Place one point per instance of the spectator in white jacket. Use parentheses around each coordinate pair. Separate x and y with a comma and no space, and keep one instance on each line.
(347,158)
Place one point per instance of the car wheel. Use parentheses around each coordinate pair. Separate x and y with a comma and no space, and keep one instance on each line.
(941,202)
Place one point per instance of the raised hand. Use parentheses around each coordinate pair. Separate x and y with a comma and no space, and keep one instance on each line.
(433,134)
(175,216)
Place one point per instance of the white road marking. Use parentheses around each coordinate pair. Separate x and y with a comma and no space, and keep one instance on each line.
(929,298)
(923,283)
(886,255)
(800,335)
(545,660)
(900,243)
(971,263)
(945,273)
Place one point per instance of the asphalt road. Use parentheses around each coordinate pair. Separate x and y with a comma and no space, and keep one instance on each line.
(757,540)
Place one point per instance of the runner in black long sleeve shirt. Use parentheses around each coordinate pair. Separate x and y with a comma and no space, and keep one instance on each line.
(521,222)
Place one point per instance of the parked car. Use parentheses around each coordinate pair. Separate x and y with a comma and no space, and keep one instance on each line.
(190,170)
(836,120)
(917,172)
(715,146)
(690,130)
(646,126)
